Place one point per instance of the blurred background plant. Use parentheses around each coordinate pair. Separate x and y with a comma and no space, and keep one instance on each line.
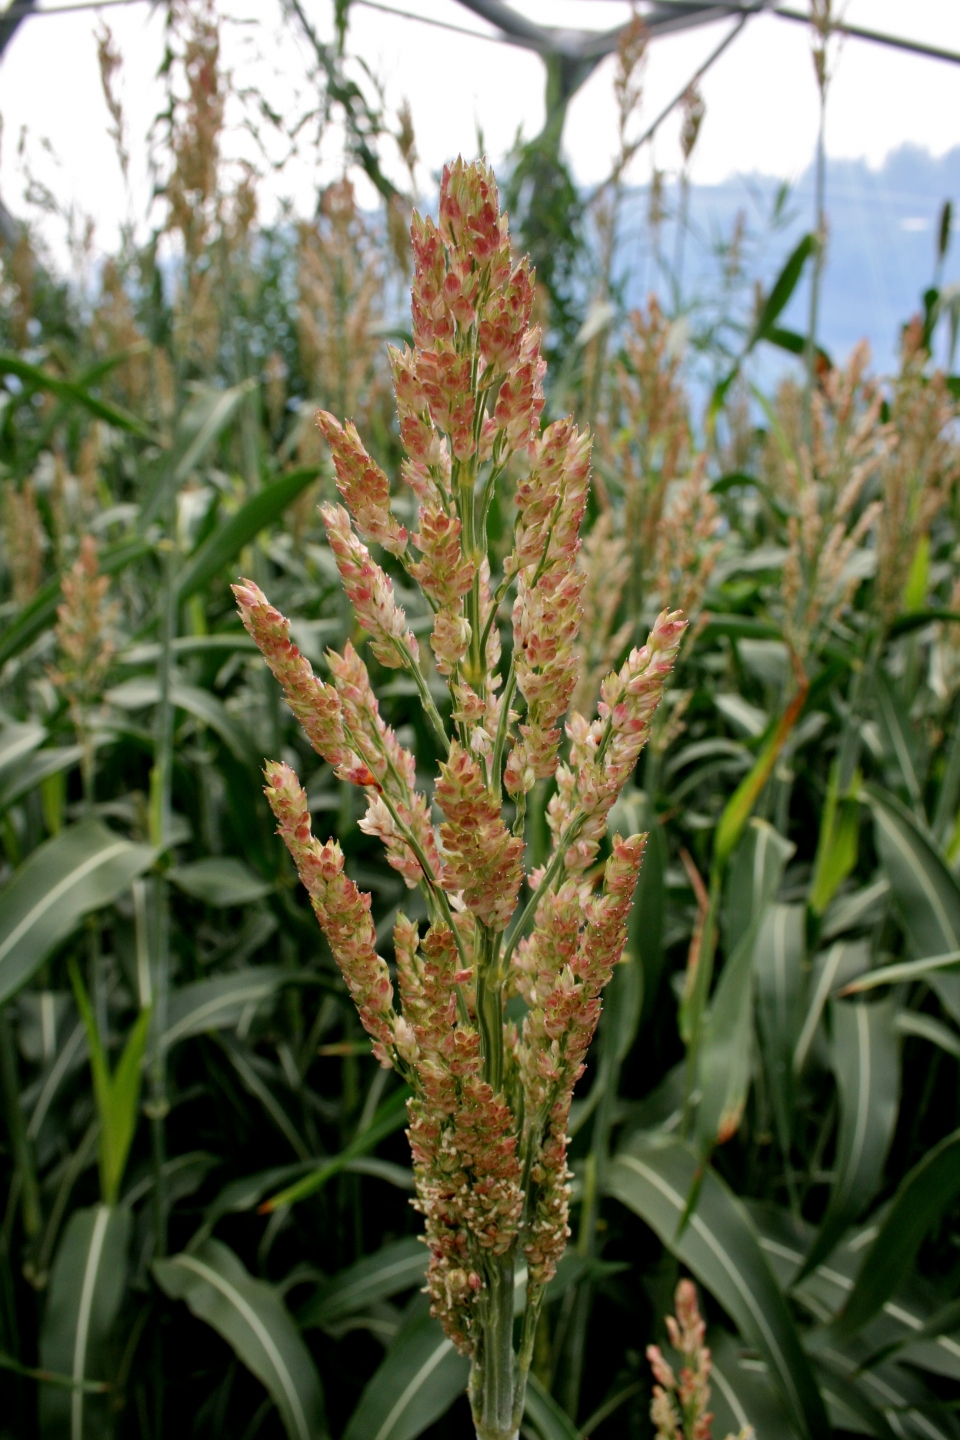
(772,1105)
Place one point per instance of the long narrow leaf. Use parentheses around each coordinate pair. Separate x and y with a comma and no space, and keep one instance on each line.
(419,1379)
(252,1318)
(83,868)
(75,394)
(394,1268)
(225,544)
(923,1196)
(82,1304)
(721,1247)
(866,1062)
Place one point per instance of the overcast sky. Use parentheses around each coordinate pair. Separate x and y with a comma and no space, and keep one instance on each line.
(760,96)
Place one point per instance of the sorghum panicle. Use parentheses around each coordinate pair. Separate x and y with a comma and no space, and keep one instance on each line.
(490,1102)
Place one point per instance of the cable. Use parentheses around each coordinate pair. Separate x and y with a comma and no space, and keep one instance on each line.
(715,54)
(28,12)
(437,24)
(896,42)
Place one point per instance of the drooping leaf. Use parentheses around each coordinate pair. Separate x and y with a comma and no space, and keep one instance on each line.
(394,1268)
(83,868)
(391,1115)
(219,1003)
(201,704)
(220,880)
(73,393)
(924,888)
(824,1291)
(741,1393)
(922,1197)
(903,972)
(254,1321)
(17,740)
(19,780)
(82,1304)
(866,1061)
(721,1247)
(201,424)
(226,542)
(925,1027)
(418,1380)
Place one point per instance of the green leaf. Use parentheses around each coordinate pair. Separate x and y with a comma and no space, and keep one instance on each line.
(226,542)
(831,967)
(765,327)
(16,741)
(254,1321)
(39,766)
(390,1117)
(83,868)
(727,1044)
(220,880)
(74,394)
(785,1239)
(924,888)
(903,972)
(201,425)
(779,956)
(783,288)
(754,878)
(866,1061)
(918,580)
(922,1197)
(924,1027)
(739,807)
(898,739)
(920,618)
(418,1380)
(837,845)
(548,1418)
(117,1095)
(721,1247)
(86,1289)
(220,1003)
(394,1268)
(741,1393)
(645,926)
(41,612)
(201,704)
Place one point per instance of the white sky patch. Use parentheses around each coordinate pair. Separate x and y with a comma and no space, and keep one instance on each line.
(761,97)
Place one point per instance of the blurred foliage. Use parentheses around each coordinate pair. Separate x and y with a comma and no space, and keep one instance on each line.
(773,1100)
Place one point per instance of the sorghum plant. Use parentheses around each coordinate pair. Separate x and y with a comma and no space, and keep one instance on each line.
(679,1406)
(488,1114)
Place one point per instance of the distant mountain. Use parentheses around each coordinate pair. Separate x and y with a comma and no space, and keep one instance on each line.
(881,248)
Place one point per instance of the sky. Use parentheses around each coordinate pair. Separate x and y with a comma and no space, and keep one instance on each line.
(760,96)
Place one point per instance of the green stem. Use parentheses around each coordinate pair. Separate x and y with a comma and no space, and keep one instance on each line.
(426,699)
(492,1395)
